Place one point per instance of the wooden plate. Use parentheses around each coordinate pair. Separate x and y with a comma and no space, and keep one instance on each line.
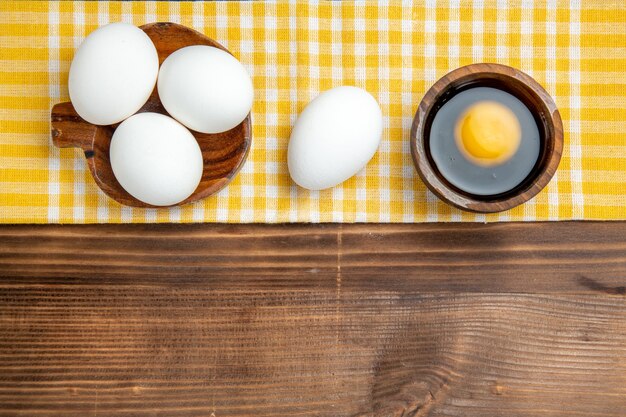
(515,82)
(223,153)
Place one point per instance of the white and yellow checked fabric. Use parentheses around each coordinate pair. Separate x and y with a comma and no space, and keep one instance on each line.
(576,49)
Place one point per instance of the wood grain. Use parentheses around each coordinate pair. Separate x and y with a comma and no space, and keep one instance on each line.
(223,153)
(313,320)
(520,85)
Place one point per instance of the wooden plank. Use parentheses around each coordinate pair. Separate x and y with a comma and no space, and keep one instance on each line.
(313,320)
(561,257)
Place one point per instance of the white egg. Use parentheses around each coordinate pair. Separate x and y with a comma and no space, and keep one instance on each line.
(156,159)
(205,88)
(334,137)
(113,73)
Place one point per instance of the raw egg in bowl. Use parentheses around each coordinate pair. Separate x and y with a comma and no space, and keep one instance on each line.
(486,138)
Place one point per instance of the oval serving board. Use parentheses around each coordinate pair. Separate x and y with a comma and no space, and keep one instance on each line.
(223,153)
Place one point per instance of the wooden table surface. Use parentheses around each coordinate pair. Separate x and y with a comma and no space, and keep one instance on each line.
(313,320)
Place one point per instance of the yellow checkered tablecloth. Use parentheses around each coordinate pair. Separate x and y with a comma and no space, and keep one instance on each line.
(575,49)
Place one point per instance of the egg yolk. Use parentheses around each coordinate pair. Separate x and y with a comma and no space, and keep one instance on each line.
(488,133)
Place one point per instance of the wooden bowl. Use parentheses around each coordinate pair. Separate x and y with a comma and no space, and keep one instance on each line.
(223,153)
(519,85)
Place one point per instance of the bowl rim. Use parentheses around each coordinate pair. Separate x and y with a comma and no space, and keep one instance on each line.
(544,110)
